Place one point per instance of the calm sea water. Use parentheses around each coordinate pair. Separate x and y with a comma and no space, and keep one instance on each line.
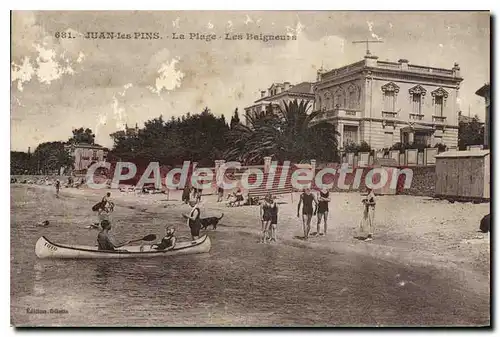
(239,283)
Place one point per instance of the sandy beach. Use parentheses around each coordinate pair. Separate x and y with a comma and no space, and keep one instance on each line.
(413,229)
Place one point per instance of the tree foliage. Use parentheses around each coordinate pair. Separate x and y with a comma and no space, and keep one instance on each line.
(19,162)
(49,157)
(194,137)
(235,119)
(82,135)
(470,133)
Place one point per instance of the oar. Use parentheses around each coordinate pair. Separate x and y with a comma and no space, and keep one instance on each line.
(150,237)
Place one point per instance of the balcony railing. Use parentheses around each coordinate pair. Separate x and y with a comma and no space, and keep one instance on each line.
(389,114)
(438,119)
(327,114)
(430,70)
(416,116)
(388,65)
(347,113)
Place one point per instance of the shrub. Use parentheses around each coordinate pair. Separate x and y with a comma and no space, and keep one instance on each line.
(402,147)
(399,146)
(441,147)
(356,148)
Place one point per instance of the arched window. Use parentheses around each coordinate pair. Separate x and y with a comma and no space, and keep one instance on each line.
(339,98)
(417,94)
(439,97)
(325,104)
(353,96)
(390,91)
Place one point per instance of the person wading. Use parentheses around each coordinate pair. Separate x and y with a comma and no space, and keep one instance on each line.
(322,210)
(368,221)
(265,217)
(58,186)
(185,194)
(274,220)
(193,220)
(104,209)
(306,200)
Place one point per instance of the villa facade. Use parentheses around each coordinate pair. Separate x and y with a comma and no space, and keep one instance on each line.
(383,103)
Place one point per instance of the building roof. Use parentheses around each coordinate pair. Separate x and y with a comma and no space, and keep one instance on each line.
(86,145)
(484,90)
(303,88)
(452,74)
(462,154)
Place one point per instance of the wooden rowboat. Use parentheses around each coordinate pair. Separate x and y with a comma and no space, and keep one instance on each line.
(45,249)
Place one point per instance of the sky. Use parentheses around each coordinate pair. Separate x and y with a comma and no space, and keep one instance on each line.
(58,84)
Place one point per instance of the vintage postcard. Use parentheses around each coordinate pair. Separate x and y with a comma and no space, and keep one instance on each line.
(250,168)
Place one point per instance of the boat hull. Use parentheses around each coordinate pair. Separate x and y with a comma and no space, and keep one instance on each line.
(45,249)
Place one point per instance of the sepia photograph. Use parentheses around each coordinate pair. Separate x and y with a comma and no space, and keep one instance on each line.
(250,169)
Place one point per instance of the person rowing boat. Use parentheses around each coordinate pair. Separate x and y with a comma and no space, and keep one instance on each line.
(105,240)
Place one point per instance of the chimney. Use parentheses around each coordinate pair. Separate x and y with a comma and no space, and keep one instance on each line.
(287,86)
(262,93)
(456,70)
(403,63)
(371,60)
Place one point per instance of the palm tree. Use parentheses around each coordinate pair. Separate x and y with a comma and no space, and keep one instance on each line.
(247,144)
(284,135)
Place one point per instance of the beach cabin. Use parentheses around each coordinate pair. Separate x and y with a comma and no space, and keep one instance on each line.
(463,175)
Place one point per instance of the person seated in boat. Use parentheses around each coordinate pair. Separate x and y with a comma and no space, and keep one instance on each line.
(168,241)
(104,239)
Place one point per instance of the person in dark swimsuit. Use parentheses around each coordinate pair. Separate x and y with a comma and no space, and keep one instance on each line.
(194,222)
(274,221)
(265,217)
(58,186)
(306,199)
(322,210)
(185,194)
(168,241)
